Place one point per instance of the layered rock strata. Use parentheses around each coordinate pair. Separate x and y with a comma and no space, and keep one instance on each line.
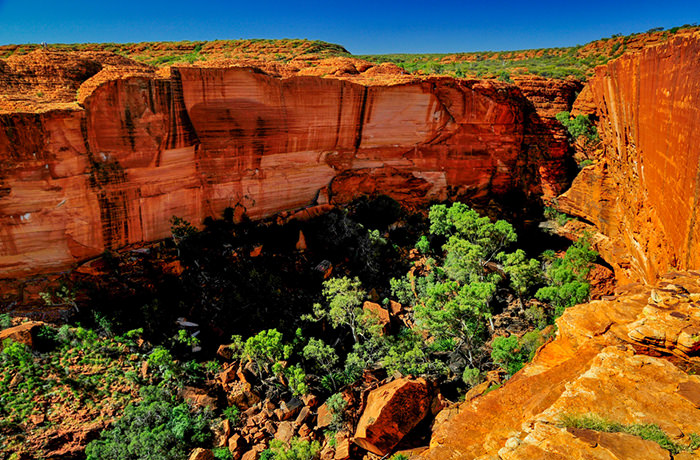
(141,146)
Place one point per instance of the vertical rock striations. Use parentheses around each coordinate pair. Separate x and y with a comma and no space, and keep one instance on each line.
(643,195)
(142,145)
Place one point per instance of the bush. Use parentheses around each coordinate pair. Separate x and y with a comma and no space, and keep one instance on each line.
(567,276)
(157,428)
(222,453)
(649,432)
(336,406)
(296,449)
(579,126)
(512,352)
(233,415)
(5,321)
(471,376)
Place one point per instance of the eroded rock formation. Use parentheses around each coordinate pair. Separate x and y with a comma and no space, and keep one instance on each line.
(642,195)
(619,359)
(141,146)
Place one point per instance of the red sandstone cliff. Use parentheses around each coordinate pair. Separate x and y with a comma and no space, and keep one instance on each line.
(643,195)
(141,145)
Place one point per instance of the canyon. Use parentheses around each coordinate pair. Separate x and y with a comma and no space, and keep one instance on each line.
(631,357)
(112,149)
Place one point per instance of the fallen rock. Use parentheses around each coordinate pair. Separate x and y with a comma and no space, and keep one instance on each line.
(285,431)
(242,396)
(25,333)
(381,314)
(201,454)
(323,417)
(342,447)
(392,411)
(198,397)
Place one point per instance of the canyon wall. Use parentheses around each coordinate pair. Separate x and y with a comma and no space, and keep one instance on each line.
(141,146)
(642,195)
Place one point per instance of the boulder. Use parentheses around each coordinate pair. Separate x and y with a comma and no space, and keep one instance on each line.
(285,431)
(392,411)
(381,314)
(201,454)
(242,396)
(323,417)
(24,333)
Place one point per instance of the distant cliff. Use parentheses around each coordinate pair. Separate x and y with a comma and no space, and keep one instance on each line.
(141,145)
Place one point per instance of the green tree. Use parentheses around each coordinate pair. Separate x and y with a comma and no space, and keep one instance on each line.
(452,296)
(264,350)
(567,276)
(579,126)
(324,356)
(524,273)
(345,298)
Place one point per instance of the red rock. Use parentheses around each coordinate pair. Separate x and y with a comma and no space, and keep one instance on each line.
(201,454)
(591,367)
(236,444)
(288,409)
(301,242)
(229,374)
(324,417)
(342,447)
(392,411)
(380,314)
(198,397)
(140,147)
(223,434)
(641,195)
(285,431)
(24,333)
(304,431)
(225,352)
(395,308)
(310,400)
(304,415)
(242,396)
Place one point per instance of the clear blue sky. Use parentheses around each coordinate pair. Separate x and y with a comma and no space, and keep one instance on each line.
(361,26)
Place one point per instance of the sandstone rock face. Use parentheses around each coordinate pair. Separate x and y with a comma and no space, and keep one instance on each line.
(141,146)
(392,411)
(598,364)
(643,195)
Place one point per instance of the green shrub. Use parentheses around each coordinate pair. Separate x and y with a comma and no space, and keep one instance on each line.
(567,276)
(579,126)
(5,321)
(233,415)
(512,352)
(157,428)
(296,449)
(649,432)
(337,406)
(559,217)
(222,453)
(471,376)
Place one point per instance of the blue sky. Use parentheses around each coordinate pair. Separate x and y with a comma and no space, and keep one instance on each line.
(361,26)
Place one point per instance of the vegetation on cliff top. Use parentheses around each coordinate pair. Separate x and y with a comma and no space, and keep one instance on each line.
(577,61)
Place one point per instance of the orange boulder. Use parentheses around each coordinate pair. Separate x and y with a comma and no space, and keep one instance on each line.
(392,411)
